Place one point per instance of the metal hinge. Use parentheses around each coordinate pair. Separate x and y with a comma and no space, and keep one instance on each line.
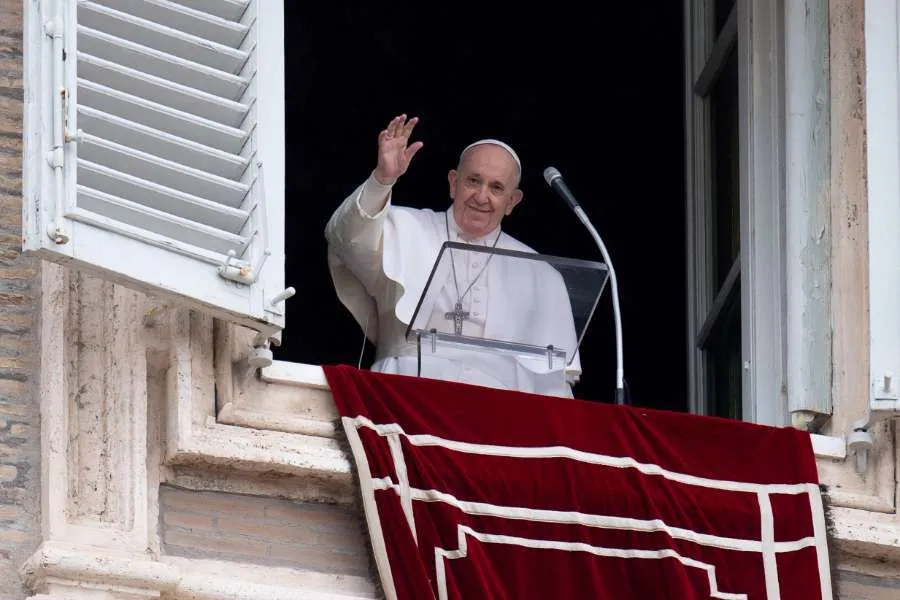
(242,271)
(61,133)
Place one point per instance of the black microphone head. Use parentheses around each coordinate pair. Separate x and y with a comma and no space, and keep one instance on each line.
(551,173)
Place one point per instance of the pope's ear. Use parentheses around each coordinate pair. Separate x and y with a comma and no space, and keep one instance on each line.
(451,178)
(517,196)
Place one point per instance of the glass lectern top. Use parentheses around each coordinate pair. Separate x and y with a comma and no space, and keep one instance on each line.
(493,297)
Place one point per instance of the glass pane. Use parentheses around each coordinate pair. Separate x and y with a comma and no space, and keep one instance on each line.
(725,366)
(726,168)
(724,355)
(723,7)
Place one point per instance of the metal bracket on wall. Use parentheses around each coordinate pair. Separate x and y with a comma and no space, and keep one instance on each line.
(884,404)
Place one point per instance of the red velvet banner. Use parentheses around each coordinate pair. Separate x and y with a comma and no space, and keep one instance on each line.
(471,492)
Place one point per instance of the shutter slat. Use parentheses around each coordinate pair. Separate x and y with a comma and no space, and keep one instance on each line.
(161,117)
(160,37)
(159,197)
(174,15)
(158,222)
(162,171)
(159,143)
(160,64)
(232,10)
(161,91)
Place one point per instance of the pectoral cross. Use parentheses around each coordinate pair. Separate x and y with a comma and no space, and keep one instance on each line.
(458,315)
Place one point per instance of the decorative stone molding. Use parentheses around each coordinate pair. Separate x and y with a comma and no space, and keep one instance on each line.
(215,580)
(94,468)
(128,400)
(875,490)
(70,571)
(864,519)
(285,396)
(62,570)
(869,535)
(93,413)
(196,440)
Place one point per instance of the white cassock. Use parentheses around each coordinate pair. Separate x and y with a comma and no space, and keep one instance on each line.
(380,257)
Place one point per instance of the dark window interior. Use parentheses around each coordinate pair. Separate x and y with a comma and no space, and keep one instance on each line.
(594,90)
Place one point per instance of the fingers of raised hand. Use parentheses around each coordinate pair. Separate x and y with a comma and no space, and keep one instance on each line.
(409,126)
(399,127)
(412,149)
(395,127)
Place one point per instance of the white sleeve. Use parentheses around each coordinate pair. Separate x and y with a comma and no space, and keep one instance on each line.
(354,231)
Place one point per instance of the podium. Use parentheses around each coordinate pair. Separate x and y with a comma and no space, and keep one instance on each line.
(505,318)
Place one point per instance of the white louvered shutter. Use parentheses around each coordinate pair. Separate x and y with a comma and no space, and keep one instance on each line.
(155,146)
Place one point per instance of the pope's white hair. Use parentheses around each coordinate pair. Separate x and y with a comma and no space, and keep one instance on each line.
(493,142)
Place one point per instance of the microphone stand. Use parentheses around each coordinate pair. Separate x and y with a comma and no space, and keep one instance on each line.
(554,180)
(617,316)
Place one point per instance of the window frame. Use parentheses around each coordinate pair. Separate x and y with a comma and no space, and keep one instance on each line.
(761,135)
(882,41)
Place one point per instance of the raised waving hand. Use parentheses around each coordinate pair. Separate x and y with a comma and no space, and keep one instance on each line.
(394,150)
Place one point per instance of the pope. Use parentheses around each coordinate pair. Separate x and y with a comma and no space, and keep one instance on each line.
(380,256)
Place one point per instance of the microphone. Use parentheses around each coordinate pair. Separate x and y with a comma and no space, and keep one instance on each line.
(554,179)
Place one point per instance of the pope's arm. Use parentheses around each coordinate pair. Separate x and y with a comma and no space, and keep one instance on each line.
(355,232)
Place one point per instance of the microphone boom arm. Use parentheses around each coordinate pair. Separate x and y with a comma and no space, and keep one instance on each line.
(554,180)
(620,372)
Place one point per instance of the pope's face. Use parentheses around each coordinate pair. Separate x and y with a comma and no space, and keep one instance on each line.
(483,190)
